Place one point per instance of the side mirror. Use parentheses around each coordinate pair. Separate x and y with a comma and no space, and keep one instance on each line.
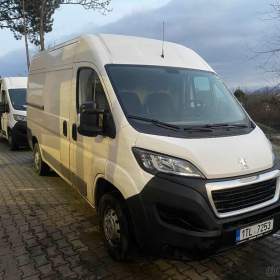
(3,108)
(95,122)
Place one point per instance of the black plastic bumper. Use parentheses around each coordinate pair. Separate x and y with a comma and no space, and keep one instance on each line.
(172,216)
(19,132)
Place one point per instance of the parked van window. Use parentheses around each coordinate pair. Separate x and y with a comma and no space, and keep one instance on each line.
(90,89)
(18,98)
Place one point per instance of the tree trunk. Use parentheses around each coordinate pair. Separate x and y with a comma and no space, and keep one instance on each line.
(27,51)
(42,37)
(42,23)
(25,36)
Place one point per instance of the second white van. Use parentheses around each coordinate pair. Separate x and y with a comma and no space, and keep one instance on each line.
(13,110)
(154,141)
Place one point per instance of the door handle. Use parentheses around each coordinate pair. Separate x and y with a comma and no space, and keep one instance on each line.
(74,131)
(65,128)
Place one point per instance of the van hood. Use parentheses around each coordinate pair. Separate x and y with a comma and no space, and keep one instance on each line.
(216,157)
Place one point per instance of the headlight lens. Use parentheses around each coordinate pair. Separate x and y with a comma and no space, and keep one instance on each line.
(153,163)
(19,118)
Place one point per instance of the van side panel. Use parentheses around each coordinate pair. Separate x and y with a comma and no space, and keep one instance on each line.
(49,97)
(48,110)
(47,120)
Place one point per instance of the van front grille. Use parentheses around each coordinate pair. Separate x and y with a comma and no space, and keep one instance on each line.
(238,198)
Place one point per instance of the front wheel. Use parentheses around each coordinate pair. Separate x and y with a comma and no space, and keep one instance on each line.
(39,165)
(114,226)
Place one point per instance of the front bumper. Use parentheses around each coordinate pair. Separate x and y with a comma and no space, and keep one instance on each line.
(19,132)
(173,216)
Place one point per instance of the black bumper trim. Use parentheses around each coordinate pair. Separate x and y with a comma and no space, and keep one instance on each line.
(19,132)
(169,214)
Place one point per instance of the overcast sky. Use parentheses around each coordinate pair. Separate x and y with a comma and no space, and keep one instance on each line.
(227,33)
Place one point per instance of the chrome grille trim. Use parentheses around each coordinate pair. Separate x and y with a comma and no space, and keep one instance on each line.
(222,185)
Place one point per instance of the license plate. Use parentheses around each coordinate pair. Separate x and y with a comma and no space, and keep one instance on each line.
(254,231)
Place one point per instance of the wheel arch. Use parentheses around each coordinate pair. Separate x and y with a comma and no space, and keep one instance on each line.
(103,186)
(116,179)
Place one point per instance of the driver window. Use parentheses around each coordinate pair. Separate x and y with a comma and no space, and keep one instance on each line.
(90,89)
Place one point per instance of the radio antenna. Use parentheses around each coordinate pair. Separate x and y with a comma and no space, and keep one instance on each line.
(163,39)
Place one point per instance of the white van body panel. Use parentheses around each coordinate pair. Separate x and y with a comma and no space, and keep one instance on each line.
(15,82)
(122,169)
(52,94)
(216,157)
(170,202)
(118,49)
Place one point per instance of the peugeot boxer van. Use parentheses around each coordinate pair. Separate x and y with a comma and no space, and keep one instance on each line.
(155,141)
(13,110)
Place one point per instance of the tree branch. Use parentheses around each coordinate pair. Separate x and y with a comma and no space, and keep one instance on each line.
(269,51)
(89,4)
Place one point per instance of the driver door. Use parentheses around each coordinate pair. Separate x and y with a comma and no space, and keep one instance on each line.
(87,154)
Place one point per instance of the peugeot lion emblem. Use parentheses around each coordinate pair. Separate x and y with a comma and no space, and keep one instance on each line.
(243,163)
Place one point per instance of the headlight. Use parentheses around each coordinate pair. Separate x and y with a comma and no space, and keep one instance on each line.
(20,118)
(153,163)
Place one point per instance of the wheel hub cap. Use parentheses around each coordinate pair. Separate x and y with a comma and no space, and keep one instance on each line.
(37,160)
(111,226)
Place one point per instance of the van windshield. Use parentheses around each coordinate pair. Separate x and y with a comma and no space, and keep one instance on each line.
(18,98)
(176,96)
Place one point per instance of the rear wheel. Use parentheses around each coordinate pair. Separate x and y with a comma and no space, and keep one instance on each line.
(12,141)
(39,165)
(114,226)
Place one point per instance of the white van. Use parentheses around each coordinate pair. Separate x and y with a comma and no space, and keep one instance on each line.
(13,110)
(156,142)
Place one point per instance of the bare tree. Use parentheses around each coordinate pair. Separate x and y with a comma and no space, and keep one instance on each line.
(271,46)
(33,19)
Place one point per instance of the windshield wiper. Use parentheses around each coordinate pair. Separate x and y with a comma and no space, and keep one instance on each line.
(171,126)
(198,129)
(155,122)
(225,125)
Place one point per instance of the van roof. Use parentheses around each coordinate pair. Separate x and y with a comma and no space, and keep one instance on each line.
(15,82)
(119,49)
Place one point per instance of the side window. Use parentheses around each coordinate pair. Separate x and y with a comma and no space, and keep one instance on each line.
(90,89)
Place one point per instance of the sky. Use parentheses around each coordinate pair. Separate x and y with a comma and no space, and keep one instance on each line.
(228,34)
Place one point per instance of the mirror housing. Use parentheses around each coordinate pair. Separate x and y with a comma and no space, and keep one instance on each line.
(94,122)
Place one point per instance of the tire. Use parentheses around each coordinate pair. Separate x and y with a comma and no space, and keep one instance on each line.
(114,227)
(12,141)
(40,167)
